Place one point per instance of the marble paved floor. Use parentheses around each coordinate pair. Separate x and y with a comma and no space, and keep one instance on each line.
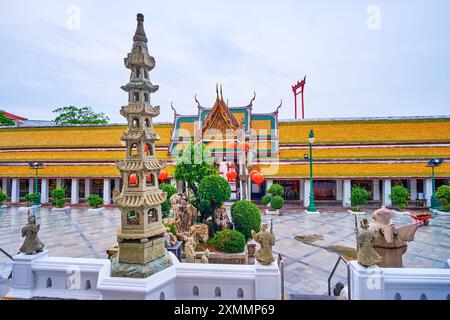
(80,233)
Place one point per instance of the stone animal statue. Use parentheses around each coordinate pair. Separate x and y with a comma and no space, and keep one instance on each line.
(185,214)
(32,243)
(390,242)
(205,257)
(266,239)
(199,232)
(189,250)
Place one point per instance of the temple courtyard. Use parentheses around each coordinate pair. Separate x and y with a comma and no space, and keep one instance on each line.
(80,233)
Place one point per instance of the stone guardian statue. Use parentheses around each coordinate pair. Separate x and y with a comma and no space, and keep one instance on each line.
(367,256)
(32,243)
(266,239)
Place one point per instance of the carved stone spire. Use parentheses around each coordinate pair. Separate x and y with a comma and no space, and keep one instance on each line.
(140,35)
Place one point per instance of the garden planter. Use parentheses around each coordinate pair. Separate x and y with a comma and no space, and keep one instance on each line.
(401,212)
(312,212)
(272,212)
(439,212)
(26,209)
(224,258)
(101,209)
(61,209)
(3,207)
(357,213)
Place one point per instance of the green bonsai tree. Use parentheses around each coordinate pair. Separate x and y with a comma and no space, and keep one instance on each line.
(213,191)
(274,197)
(399,196)
(3,197)
(165,206)
(358,198)
(30,198)
(58,197)
(229,241)
(95,201)
(246,217)
(443,194)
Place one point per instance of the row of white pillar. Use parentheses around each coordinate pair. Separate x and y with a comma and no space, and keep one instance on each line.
(14,193)
(344,188)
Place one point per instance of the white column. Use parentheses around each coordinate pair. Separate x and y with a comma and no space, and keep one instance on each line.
(346,193)
(413,184)
(5,185)
(117,184)
(339,191)
(44,190)
(306,191)
(249,193)
(301,187)
(87,187)
(376,190)
(58,183)
(75,192)
(386,200)
(428,190)
(15,190)
(106,191)
(269,183)
(31,185)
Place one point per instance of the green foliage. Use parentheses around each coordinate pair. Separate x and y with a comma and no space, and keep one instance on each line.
(359,197)
(443,194)
(165,206)
(3,197)
(95,201)
(229,241)
(30,198)
(213,191)
(246,217)
(83,115)
(4,121)
(266,199)
(172,228)
(194,163)
(58,197)
(276,190)
(399,196)
(274,197)
(276,203)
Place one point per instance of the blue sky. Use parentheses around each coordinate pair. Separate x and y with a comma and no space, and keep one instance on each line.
(400,69)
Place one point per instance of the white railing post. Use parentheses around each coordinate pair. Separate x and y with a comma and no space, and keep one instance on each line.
(267,282)
(366,283)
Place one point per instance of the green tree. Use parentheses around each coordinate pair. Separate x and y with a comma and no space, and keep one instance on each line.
(443,194)
(358,198)
(83,115)
(30,198)
(194,163)
(246,217)
(213,190)
(58,197)
(170,190)
(274,197)
(399,196)
(95,201)
(3,197)
(4,121)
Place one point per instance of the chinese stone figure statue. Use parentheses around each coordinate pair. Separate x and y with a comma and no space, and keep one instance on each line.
(185,214)
(367,256)
(205,257)
(266,239)
(189,250)
(170,239)
(389,241)
(32,242)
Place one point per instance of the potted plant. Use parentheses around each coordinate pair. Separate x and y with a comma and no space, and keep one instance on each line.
(399,196)
(3,198)
(443,194)
(358,198)
(59,199)
(274,199)
(95,202)
(30,198)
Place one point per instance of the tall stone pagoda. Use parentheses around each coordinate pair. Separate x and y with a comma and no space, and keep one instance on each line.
(141,236)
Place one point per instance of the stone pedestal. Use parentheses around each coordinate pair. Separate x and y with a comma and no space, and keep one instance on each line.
(133,270)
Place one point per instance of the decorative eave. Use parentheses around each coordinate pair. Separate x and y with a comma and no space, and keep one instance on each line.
(139,108)
(127,165)
(140,85)
(141,201)
(137,135)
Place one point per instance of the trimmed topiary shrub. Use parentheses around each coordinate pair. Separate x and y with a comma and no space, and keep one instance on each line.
(3,197)
(246,217)
(443,194)
(399,196)
(276,190)
(229,241)
(359,198)
(30,198)
(265,200)
(58,195)
(213,191)
(95,201)
(165,206)
(276,203)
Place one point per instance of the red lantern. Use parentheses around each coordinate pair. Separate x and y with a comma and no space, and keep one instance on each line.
(252,173)
(163,175)
(232,145)
(231,175)
(258,178)
(132,179)
(244,146)
(146,147)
